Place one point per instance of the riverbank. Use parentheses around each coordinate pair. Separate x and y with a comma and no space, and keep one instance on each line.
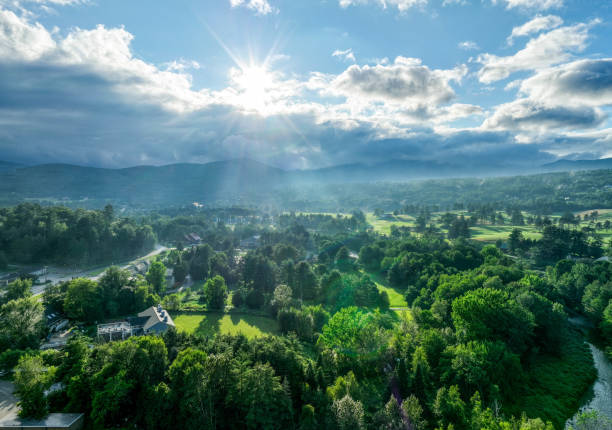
(556,384)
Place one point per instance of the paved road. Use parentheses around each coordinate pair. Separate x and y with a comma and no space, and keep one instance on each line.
(59,274)
(8,402)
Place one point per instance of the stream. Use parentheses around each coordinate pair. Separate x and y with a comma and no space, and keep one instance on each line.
(601,401)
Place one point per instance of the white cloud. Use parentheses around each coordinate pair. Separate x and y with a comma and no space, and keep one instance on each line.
(468,45)
(347,54)
(528,114)
(547,49)
(581,82)
(260,7)
(401,5)
(567,97)
(21,41)
(452,2)
(181,65)
(531,4)
(537,24)
(406,81)
(103,51)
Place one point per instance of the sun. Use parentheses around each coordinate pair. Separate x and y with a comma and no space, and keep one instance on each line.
(253,83)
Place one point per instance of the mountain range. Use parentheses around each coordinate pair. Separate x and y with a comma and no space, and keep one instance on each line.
(224,181)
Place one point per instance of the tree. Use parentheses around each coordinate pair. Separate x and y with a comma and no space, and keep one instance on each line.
(515,240)
(156,276)
(489,314)
(200,384)
(343,259)
(215,292)
(83,301)
(180,270)
(199,267)
(21,324)
(111,283)
(17,289)
(282,297)
(450,409)
(390,417)
(371,256)
(308,419)
(353,333)
(260,399)
(348,413)
(32,378)
(305,281)
(414,413)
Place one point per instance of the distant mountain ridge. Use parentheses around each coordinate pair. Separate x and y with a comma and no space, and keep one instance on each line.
(567,165)
(225,182)
(5,166)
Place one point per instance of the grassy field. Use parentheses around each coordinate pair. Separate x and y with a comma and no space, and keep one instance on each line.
(485,233)
(491,233)
(396,298)
(383,226)
(211,323)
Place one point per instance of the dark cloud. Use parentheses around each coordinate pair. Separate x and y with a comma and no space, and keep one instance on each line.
(586,82)
(526,114)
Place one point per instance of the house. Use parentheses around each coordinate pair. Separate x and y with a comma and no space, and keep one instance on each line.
(140,267)
(192,239)
(154,320)
(158,320)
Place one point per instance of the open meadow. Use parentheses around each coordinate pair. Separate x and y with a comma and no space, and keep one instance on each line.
(208,324)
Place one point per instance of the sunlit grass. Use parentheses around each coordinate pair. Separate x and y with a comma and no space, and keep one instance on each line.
(396,298)
(383,226)
(208,324)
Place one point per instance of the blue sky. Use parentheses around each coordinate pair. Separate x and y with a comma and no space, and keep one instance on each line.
(304,83)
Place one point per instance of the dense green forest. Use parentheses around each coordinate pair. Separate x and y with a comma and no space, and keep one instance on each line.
(480,340)
(30,233)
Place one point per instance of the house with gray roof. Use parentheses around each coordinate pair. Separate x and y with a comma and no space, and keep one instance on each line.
(153,320)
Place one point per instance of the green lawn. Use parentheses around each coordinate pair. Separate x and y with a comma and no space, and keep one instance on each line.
(396,298)
(210,323)
(491,233)
(383,226)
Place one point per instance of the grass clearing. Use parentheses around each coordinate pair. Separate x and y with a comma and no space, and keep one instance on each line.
(396,297)
(208,324)
(383,225)
(491,233)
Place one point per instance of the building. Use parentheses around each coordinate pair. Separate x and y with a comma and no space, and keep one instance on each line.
(157,320)
(192,239)
(154,320)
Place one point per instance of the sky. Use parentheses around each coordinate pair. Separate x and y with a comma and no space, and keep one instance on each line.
(302,84)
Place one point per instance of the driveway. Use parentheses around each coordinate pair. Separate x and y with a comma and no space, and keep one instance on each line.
(8,402)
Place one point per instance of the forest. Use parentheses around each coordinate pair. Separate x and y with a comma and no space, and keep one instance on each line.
(424,328)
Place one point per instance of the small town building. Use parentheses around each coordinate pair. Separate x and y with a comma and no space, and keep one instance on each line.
(154,320)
